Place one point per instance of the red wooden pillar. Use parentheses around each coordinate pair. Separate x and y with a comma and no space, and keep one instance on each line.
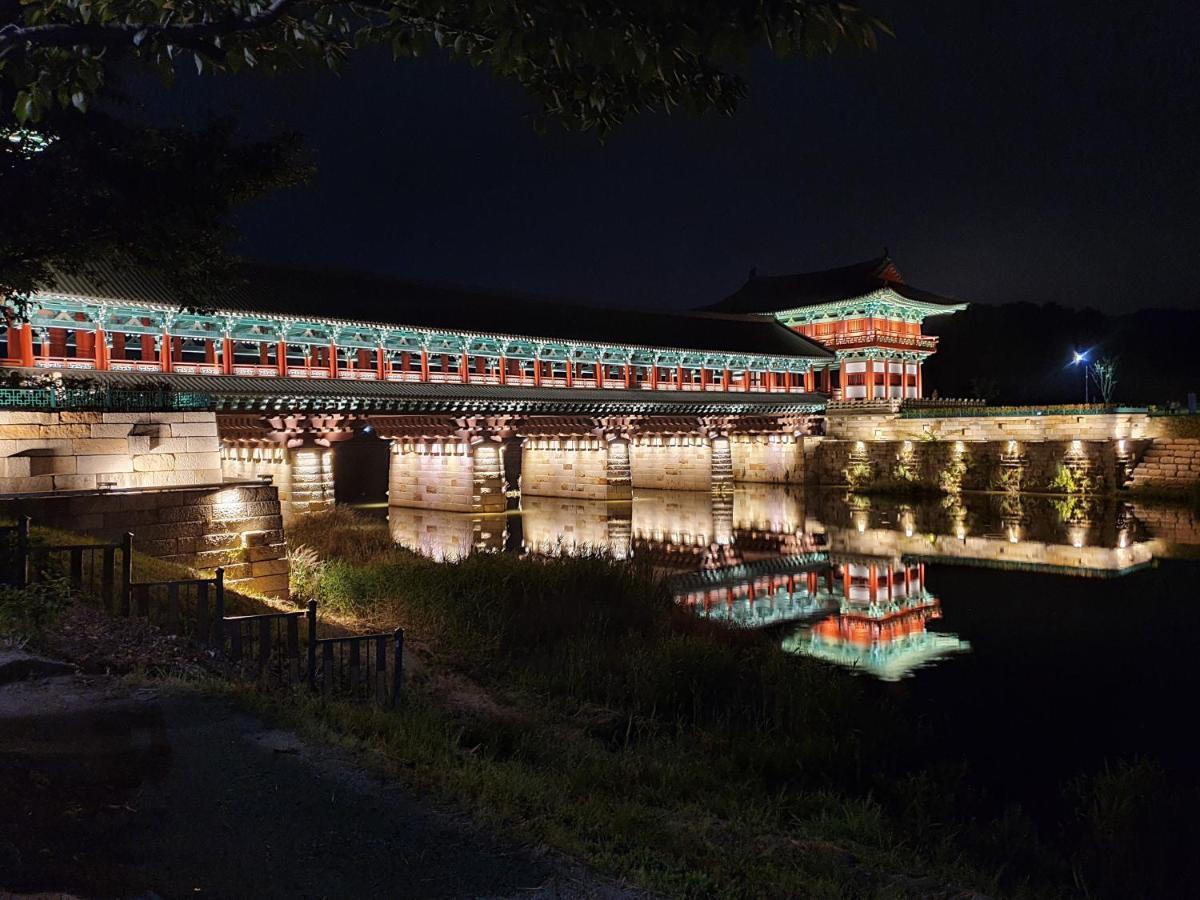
(921,577)
(25,343)
(380,364)
(679,378)
(920,387)
(424,365)
(654,377)
(264,356)
(628,375)
(907,581)
(501,372)
(101,346)
(874,583)
(726,379)
(333,360)
(746,380)
(165,347)
(210,351)
(281,362)
(846,580)
(537,373)
(464,368)
(703,378)
(567,369)
(44,345)
(58,342)
(891,580)
(85,345)
(227,355)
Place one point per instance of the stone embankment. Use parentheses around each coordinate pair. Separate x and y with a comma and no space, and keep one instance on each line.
(79,451)
(1168,463)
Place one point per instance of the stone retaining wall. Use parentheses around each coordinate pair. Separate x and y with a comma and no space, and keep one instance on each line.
(236,526)
(1092,466)
(1169,463)
(891,427)
(73,451)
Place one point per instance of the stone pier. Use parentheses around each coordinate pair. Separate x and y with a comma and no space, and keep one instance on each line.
(302,475)
(580,468)
(451,475)
(767,458)
(678,462)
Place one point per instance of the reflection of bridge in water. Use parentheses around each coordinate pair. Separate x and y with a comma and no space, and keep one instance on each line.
(852,575)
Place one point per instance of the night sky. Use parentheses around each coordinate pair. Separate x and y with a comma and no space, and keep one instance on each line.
(1002,151)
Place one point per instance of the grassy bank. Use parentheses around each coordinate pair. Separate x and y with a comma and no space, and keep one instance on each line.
(570,700)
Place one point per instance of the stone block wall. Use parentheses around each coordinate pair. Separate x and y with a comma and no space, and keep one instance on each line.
(574,468)
(303,476)
(74,451)
(672,463)
(1169,463)
(769,459)
(972,466)
(849,426)
(453,475)
(236,526)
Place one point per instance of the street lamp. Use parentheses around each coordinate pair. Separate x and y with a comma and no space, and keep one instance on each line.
(1082,359)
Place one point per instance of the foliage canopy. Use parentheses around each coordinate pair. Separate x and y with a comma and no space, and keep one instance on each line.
(587,63)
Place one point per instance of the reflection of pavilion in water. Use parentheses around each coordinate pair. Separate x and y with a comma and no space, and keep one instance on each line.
(851,573)
(880,626)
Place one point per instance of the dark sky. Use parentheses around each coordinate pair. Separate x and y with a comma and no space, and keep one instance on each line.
(1041,151)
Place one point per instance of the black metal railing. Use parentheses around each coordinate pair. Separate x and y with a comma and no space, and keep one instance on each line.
(103,571)
(356,666)
(266,646)
(193,607)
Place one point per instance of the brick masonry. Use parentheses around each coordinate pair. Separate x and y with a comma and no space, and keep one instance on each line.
(236,526)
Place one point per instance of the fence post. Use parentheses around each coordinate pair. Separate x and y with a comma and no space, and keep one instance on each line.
(23,527)
(398,665)
(126,573)
(311,616)
(107,577)
(219,614)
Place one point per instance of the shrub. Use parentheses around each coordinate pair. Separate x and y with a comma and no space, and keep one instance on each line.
(26,613)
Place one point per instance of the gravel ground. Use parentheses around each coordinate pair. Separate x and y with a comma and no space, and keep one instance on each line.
(109,791)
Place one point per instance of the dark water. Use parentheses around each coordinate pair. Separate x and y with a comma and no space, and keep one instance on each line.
(1036,639)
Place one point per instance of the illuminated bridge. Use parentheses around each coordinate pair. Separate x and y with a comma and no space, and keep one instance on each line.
(478,392)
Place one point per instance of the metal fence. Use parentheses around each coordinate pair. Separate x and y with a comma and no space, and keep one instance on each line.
(265,646)
(104,399)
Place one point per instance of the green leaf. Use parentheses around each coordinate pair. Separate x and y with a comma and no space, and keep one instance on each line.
(23,107)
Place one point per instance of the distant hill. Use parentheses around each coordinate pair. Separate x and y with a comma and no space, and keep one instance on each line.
(1021,353)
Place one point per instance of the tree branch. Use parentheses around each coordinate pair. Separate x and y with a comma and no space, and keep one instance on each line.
(65,34)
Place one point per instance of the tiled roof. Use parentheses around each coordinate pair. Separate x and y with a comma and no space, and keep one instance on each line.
(774,293)
(375,299)
(233,392)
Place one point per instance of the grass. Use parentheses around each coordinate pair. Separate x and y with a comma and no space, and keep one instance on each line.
(693,759)
(571,703)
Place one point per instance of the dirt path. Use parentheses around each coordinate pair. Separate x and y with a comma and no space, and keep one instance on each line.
(108,791)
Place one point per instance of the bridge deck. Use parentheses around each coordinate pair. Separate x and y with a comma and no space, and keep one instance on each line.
(234,393)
